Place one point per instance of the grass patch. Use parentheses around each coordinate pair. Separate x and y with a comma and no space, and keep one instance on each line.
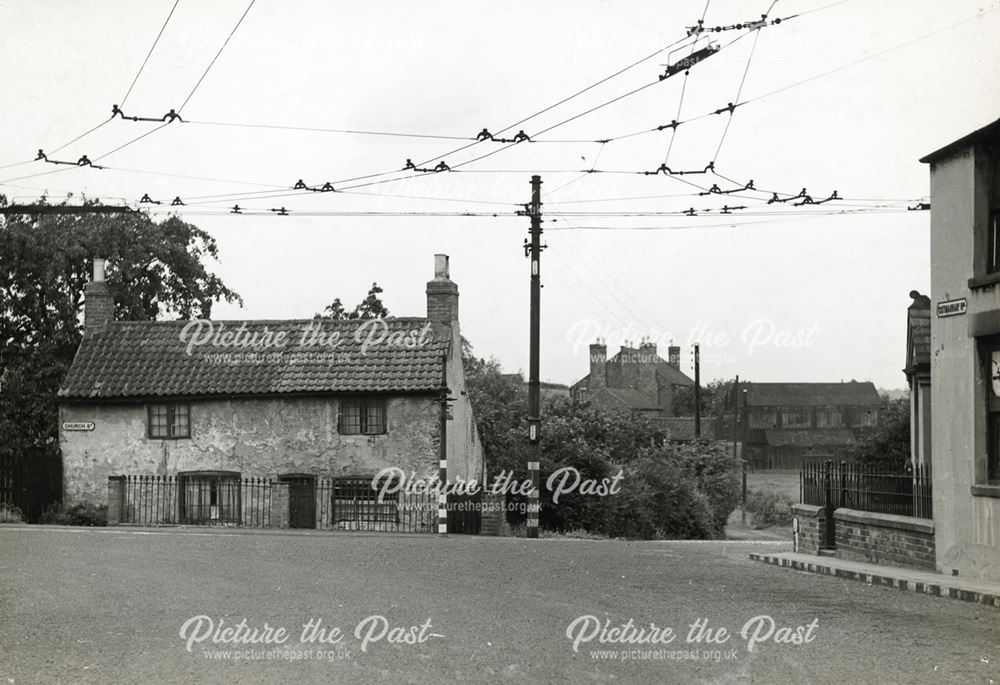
(769,508)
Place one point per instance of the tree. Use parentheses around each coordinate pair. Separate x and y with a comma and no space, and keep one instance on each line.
(369,308)
(888,444)
(715,399)
(155,270)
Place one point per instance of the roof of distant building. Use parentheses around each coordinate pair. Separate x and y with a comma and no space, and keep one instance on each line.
(809,437)
(852,393)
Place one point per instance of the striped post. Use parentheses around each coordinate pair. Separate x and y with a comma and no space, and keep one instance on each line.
(533,500)
(443,499)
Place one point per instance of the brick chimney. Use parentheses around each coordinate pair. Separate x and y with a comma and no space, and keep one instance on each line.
(674,356)
(98,304)
(442,293)
(647,368)
(598,365)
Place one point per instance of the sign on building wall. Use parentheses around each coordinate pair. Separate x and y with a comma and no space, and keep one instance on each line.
(78,426)
(951,308)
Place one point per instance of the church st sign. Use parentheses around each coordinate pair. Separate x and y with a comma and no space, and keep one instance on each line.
(78,426)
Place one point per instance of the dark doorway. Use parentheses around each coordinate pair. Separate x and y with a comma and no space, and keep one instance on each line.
(301,500)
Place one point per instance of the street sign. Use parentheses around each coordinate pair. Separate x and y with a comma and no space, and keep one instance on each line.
(951,308)
(78,426)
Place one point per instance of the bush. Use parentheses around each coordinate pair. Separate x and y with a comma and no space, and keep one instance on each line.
(716,473)
(77,515)
(658,500)
(769,508)
(9,514)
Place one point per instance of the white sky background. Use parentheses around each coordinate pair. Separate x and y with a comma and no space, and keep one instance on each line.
(452,68)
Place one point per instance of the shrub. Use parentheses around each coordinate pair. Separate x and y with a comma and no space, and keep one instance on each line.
(769,508)
(716,473)
(10,514)
(658,500)
(78,515)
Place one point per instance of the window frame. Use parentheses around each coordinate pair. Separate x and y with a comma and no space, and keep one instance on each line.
(988,403)
(367,408)
(172,410)
(993,213)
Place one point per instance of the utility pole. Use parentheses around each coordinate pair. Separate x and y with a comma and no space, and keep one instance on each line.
(697,390)
(534,251)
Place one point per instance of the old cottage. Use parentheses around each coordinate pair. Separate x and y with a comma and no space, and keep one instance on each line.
(209,404)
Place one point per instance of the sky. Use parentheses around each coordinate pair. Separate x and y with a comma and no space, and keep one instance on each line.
(839,96)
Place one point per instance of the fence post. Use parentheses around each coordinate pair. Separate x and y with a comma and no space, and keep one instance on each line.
(115,494)
(831,540)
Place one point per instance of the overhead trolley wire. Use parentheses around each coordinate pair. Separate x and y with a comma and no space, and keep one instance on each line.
(149,54)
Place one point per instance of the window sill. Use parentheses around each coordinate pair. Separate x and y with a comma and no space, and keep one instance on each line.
(986,491)
(984,281)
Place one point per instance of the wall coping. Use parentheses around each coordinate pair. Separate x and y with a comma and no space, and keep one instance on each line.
(806,509)
(915,525)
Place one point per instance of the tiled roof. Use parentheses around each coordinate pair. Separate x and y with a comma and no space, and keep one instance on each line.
(852,393)
(809,437)
(155,358)
(633,399)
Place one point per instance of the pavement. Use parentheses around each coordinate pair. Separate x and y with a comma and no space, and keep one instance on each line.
(120,605)
(911,580)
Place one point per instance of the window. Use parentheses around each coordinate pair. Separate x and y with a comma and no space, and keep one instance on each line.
(796,417)
(829,417)
(864,417)
(364,416)
(990,352)
(169,421)
(210,497)
(993,255)
(356,502)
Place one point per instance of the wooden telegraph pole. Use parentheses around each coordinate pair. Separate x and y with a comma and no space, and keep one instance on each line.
(697,390)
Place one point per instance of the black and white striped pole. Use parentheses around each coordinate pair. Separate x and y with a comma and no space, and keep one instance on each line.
(534,250)
(443,455)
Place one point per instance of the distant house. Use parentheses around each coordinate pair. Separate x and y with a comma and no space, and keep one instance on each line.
(918,376)
(788,423)
(211,403)
(965,353)
(635,379)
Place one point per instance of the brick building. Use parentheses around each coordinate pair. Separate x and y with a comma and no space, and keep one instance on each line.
(211,402)
(784,424)
(635,379)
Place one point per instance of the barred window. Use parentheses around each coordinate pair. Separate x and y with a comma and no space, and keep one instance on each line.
(168,421)
(362,416)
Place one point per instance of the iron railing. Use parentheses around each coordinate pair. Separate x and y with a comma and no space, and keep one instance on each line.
(865,487)
(299,501)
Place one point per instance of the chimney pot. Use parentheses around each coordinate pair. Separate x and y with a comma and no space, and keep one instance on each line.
(441,267)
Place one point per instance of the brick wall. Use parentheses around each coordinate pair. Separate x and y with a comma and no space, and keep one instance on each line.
(885,539)
(812,527)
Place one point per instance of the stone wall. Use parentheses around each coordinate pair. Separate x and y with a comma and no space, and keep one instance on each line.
(884,539)
(263,437)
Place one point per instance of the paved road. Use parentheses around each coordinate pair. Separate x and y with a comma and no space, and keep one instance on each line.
(107,605)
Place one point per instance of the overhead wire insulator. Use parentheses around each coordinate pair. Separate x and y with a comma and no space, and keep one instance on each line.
(177,201)
(301,185)
(919,207)
(235,210)
(280,211)
(484,135)
(689,61)
(147,200)
(168,117)
(673,124)
(775,198)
